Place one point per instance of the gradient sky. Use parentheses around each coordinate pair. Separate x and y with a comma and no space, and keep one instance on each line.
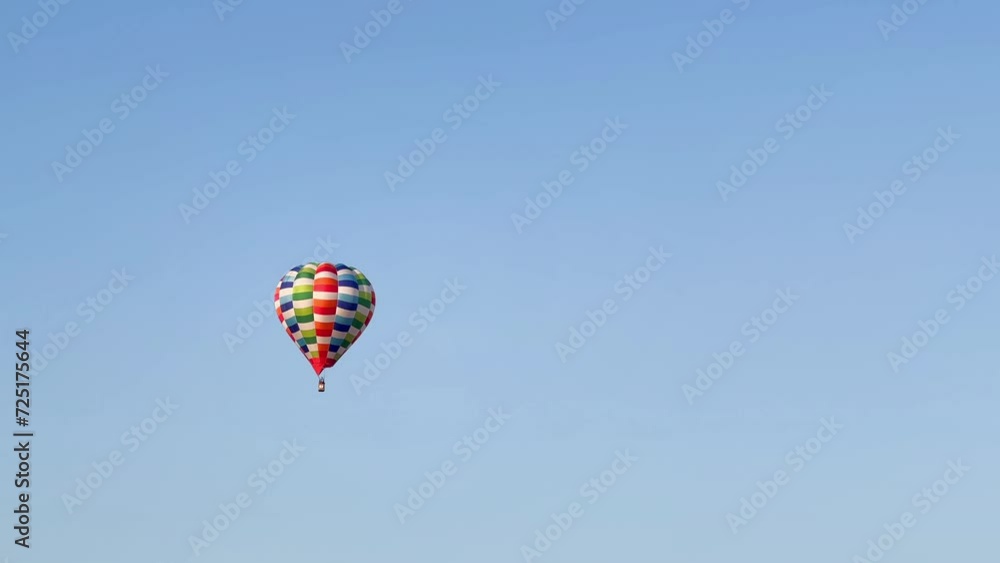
(494,347)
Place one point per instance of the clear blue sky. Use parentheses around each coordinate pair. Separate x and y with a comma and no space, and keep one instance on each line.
(323,177)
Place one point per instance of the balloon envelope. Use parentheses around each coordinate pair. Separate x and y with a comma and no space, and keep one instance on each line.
(324,308)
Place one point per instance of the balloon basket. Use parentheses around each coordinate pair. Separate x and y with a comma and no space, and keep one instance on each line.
(322,385)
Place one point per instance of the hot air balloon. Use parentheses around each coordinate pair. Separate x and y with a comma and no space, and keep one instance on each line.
(324,308)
